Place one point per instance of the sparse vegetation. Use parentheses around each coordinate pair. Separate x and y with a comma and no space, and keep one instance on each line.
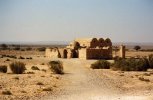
(6,92)
(21,57)
(44,70)
(41,49)
(35,68)
(3,68)
(150,60)
(40,83)
(131,64)
(42,63)
(56,67)
(137,47)
(28,48)
(143,79)
(7,59)
(17,67)
(30,73)
(29,58)
(17,78)
(47,89)
(4,46)
(17,47)
(100,64)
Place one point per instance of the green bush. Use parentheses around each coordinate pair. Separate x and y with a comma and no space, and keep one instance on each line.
(17,67)
(3,68)
(131,64)
(56,67)
(150,60)
(100,64)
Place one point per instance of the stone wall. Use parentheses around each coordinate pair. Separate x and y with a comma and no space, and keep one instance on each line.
(95,53)
(82,53)
(51,53)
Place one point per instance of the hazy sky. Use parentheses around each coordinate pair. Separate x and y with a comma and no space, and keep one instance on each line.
(64,20)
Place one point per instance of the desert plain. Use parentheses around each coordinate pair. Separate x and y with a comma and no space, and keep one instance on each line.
(79,81)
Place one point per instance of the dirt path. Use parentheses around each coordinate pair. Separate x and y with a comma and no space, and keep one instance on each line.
(82,83)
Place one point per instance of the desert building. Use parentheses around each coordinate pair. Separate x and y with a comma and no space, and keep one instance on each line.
(88,48)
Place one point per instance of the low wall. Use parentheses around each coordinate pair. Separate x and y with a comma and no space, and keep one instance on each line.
(51,53)
(95,54)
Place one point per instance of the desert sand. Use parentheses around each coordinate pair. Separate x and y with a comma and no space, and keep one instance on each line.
(79,82)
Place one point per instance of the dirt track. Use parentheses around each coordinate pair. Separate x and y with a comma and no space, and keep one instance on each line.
(83,83)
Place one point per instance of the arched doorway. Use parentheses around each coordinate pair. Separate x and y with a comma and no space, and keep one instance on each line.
(65,53)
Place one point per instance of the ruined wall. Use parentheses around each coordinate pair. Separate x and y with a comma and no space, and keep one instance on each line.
(122,51)
(51,53)
(63,52)
(95,53)
(99,54)
(82,53)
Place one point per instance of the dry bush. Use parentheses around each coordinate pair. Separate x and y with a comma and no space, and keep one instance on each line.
(147,74)
(40,83)
(21,57)
(41,49)
(143,79)
(47,89)
(100,64)
(8,60)
(17,67)
(44,70)
(42,63)
(6,92)
(3,68)
(35,68)
(150,60)
(56,67)
(17,78)
(30,73)
(131,64)
(29,58)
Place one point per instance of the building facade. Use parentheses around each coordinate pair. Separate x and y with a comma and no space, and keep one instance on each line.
(89,48)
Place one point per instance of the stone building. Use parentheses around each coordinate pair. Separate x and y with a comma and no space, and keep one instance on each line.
(89,48)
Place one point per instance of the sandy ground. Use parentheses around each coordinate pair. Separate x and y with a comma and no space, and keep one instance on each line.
(82,83)
(78,83)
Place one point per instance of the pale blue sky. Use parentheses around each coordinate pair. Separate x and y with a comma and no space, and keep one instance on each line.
(64,20)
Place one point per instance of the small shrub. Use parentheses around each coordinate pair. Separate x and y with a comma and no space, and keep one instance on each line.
(6,92)
(3,68)
(131,64)
(40,83)
(44,70)
(41,49)
(35,68)
(47,89)
(17,67)
(56,67)
(23,91)
(21,57)
(17,78)
(30,73)
(7,59)
(143,79)
(100,64)
(14,57)
(147,74)
(29,49)
(29,58)
(150,60)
